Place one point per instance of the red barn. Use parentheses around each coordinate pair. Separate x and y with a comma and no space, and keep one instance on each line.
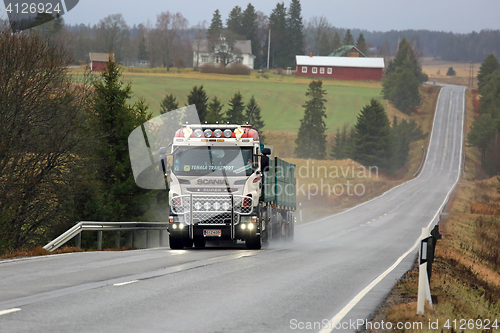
(98,61)
(341,68)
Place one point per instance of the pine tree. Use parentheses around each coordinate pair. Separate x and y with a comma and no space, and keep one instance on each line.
(342,146)
(249,27)
(169,103)
(406,57)
(336,41)
(234,21)
(348,38)
(115,118)
(280,53)
(198,97)
(324,47)
(236,107)
(361,44)
(214,111)
(373,141)
(295,29)
(311,140)
(402,90)
(489,65)
(216,27)
(253,116)
(451,72)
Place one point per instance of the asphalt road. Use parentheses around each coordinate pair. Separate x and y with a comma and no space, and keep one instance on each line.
(338,268)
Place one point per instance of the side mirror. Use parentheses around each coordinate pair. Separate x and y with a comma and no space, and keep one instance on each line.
(266,151)
(163,161)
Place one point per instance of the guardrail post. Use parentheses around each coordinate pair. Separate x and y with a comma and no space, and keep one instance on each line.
(147,239)
(117,239)
(78,240)
(99,240)
(424,291)
(161,237)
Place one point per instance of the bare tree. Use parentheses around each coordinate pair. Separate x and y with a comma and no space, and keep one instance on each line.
(168,36)
(199,37)
(40,135)
(113,34)
(261,35)
(316,28)
(224,48)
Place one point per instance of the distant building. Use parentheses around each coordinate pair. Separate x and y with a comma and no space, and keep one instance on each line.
(98,61)
(340,68)
(347,51)
(241,53)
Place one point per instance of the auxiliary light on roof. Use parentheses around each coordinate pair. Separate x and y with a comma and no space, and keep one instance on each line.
(218,133)
(208,133)
(198,133)
(228,133)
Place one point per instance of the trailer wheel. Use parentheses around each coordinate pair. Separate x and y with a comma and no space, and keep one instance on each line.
(254,243)
(176,243)
(199,242)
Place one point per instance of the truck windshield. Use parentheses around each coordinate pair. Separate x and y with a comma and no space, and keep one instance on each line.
(223,161)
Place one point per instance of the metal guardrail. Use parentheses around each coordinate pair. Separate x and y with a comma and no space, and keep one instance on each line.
(102,226)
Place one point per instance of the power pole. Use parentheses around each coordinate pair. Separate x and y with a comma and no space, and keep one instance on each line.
(268,48)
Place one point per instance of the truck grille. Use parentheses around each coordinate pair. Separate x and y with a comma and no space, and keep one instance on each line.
(212,209)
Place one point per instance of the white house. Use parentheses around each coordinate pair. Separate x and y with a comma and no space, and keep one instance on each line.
(240,53)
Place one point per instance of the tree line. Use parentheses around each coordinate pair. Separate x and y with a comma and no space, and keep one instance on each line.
(483,132)
(372,141)
(210,110)
(169,41)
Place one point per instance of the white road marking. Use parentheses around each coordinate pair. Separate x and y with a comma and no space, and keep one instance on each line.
(124,283)
(4,312)
(352,303)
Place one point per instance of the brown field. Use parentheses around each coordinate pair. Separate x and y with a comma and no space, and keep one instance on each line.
(436,69)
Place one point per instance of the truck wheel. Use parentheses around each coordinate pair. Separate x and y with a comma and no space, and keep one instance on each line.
(254,243)
(176,243)
(188,242)
(199,242)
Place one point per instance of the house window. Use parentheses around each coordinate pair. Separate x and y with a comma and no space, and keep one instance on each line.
(217,60)
(304,69)
(315,70)
(329,71)
(204,59)
(322,70)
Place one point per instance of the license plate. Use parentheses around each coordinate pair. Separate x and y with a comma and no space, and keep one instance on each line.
(212,232)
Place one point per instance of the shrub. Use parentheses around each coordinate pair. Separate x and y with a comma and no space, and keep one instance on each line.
(234,69)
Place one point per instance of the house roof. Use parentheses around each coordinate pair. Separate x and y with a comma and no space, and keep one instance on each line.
(99,56)
(341,51)
(340,61)
(244,46)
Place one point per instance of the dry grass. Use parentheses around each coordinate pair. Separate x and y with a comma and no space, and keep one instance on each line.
(337,177)
(437,69)
(466,272)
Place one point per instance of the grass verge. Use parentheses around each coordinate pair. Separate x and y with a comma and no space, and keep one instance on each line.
(465,282)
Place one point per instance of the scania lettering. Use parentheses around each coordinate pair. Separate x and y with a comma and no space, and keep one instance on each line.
(224,185)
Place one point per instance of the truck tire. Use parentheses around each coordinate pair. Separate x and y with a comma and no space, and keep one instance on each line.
(254,243)
(188,242)
(176,243)
(199,242)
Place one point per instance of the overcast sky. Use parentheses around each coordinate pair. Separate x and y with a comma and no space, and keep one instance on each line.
(461,16)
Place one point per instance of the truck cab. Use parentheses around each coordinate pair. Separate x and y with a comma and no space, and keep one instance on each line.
(215,185)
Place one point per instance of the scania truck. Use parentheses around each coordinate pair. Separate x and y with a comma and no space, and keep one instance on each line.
(224,185)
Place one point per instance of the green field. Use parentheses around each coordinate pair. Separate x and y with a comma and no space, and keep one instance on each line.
(280,100)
